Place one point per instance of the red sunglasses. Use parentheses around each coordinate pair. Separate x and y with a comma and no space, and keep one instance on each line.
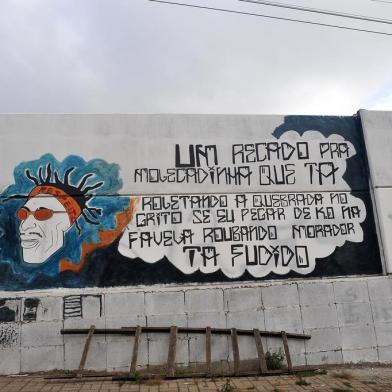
(41,214)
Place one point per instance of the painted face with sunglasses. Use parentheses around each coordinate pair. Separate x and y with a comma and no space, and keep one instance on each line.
(43,223)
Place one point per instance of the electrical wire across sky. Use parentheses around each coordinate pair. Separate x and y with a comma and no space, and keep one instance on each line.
(319,11)
(277,17)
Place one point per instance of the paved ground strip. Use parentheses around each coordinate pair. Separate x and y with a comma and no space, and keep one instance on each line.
(362,379)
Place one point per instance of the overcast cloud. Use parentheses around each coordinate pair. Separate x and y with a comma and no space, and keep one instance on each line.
(137,56)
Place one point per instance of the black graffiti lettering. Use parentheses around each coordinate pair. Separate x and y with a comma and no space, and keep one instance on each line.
(351,212)
(132,237)
(191,153)
(334,150)
(166,238)
(158,218)
(302,213)
(204,152)
(321,170)
(325,213)
(208,153)
(207,253)
(303,150)
(235,253)
(253,255)
(287,199)
(201,216)
(238,233)
(260,152)
(262,214)
(287,255)
(302,257)
(192,250)
(240,201)
(338,198)
(225,216)
(277,174)
(322,231)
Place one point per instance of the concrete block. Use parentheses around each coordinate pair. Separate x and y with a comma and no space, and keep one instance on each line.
(10,309)
(380,289)
(241,299)
(383,197)
(319,316)
(383,334)
(361,355)
(325,358)
(325,339)
(280,295)
(209,300)
(377,133)
(318,293)
(357,337)
(126,321)
(87,306)
(382,311)
(385,354)
(9,335)
(197,342)
(84,323)
(247,347)
(246,320)
(96,358)
(170,302)
(50,309)
(158,343)
(119,352)
(167,320)
(202,320)
(42,334)
(10,360)
(283,319)
(124,304)
(158,347)
(298,359)
(354,314)
(351,291)
(197,348)
(43,358)
(296,347)
(92,306)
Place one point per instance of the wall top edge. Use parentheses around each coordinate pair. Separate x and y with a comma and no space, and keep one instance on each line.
(179,114)
(191,286)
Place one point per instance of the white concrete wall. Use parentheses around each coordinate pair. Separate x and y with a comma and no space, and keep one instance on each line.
(377,129)
(349,319)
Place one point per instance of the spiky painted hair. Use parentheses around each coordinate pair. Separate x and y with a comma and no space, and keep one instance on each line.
(47,177)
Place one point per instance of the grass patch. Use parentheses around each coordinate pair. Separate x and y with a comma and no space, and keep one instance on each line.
(274,359)
(321,371)
(227,386)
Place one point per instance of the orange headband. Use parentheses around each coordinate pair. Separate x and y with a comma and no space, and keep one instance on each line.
(68,202)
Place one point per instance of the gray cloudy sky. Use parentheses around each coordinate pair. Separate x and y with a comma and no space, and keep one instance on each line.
(141,57)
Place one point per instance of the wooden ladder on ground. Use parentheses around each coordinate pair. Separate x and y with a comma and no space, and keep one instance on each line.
(173,334)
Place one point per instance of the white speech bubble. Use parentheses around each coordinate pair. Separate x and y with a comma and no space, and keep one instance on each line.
(259,232)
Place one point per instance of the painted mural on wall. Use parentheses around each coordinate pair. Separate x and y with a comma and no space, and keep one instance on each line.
(64,223)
